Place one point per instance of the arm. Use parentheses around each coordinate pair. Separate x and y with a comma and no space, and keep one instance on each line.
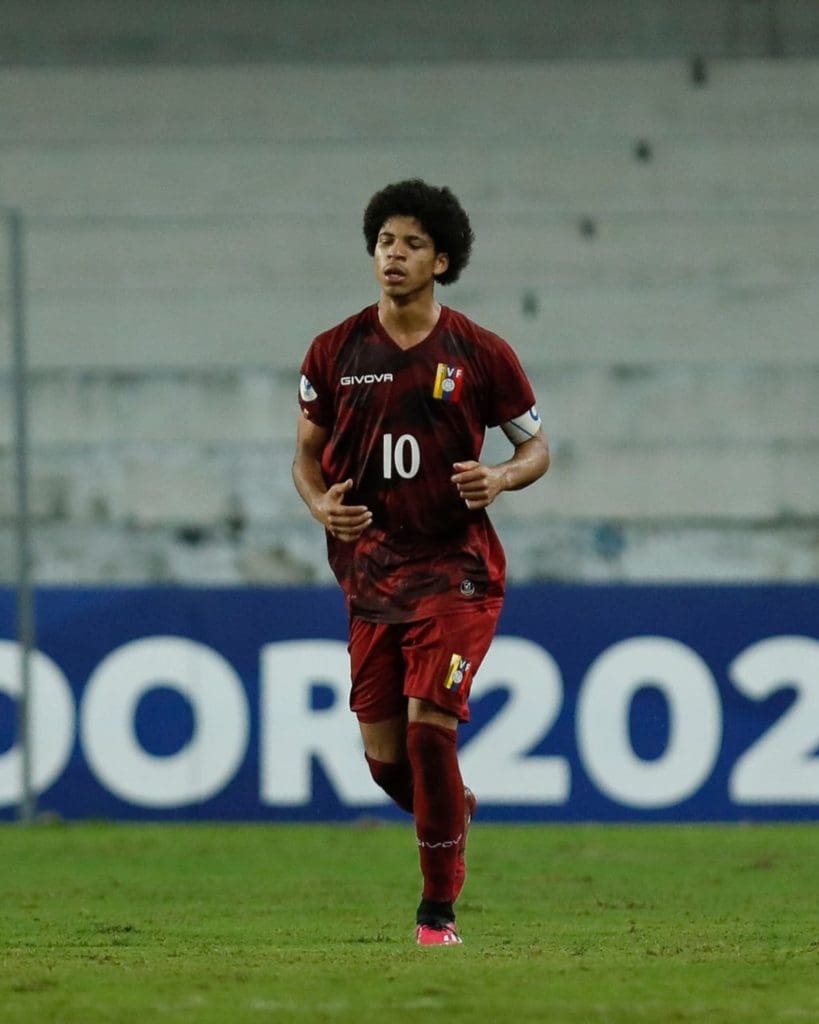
(479,485)
(326,504)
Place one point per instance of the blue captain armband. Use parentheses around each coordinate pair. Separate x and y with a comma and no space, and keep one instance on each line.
(522,427)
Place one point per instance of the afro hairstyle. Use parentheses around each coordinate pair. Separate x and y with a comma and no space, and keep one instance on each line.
(438,211)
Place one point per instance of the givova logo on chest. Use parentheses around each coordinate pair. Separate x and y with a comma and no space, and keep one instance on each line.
(364,378)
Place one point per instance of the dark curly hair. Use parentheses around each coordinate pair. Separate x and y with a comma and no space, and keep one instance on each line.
(437,209)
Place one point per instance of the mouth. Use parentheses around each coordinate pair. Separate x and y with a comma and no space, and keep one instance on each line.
(394,275)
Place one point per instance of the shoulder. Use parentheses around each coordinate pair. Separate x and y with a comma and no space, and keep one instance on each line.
(335,337)
(480,338)
(462,325)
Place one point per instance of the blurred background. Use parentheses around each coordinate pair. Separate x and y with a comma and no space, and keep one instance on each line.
(189,181)
(641,177)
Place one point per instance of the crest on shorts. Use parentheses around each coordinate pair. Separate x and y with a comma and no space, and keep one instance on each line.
(449,381)
(458,671)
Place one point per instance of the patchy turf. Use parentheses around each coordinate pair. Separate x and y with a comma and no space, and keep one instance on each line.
(207,923)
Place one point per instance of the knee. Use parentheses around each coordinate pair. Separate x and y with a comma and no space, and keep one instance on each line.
(430,714)
(395,779)
(385,741)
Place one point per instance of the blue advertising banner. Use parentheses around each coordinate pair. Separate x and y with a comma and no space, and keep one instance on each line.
(605,703)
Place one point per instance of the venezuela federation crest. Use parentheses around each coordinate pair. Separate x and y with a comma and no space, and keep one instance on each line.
(449,381)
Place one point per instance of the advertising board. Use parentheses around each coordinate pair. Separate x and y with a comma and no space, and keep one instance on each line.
(605,703)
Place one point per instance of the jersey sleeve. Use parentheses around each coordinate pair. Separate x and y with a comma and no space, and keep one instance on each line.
(511,393)
(315,393)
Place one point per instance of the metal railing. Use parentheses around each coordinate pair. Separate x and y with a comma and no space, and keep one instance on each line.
(25,600)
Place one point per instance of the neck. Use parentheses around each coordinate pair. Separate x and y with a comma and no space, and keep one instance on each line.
(408,320)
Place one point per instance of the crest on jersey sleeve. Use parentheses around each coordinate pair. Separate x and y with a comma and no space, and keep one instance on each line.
(306,390)
(449,381)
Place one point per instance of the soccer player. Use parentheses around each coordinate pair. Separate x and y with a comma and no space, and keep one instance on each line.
(395,402)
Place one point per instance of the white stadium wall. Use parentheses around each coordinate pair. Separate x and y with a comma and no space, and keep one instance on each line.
(647,243)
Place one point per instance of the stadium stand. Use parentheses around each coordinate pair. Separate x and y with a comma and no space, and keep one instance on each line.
(646,239)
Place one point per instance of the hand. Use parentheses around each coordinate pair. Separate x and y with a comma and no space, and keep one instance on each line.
(477,484)
(346,522)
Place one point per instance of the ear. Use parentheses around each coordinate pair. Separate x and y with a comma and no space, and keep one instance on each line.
(441,264)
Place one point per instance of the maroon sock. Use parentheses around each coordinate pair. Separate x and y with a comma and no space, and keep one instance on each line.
(439,805)
(394,779)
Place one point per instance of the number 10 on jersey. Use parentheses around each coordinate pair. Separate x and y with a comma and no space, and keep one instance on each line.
(402,457)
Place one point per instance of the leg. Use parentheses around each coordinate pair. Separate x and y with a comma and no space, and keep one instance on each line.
(439,806)
(387,740)
(423,711)
(419,710)
(378,701)
(385,748)
(441,654)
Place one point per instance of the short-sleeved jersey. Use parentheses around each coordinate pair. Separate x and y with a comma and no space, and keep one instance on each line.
(398,420)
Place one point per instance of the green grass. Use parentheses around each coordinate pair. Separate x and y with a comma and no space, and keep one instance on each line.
(145,923)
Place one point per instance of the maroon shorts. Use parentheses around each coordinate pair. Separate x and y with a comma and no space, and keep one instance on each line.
(433,659)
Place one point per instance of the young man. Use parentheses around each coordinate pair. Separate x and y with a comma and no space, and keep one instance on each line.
(394,405)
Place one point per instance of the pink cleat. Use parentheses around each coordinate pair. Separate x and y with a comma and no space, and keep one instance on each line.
(445,934)
(471,803)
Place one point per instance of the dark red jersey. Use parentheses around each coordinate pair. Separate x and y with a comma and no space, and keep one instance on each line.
(398,420)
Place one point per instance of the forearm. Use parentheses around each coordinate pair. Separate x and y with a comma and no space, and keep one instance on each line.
(344,522)
(478,484)
(309,480)
(528,463)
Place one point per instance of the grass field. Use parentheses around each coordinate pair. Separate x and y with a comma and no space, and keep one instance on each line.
(143,923)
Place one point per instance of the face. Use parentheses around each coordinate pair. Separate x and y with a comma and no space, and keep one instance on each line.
(405,259)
